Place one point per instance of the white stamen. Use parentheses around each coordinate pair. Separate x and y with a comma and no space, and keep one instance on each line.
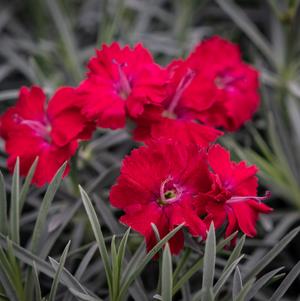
(236,199)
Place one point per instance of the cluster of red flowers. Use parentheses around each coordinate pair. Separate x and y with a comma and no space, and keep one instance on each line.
(168,183)
(178,112)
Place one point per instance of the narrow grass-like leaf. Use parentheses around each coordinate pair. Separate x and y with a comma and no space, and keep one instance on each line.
(109,27)
(37,286)
(17,62)
(209,262)
(224,242)
(267,258)
(278,277)
(4,262)
(115,269)
(14,203)
(83,265)
(41,222)
(286,283)
(67,215)
(121,255)
(9,94)
(199,263)
(85,261)
(236,252)
(11,270)
(10,291)
(237,284)
(260,283)
(98,235)
(27,257)
(241,296)
(66,36)
(141,265)
(207,294)
(156,232)
(157,236)
(108,218)
(260,142)
(278,138)
(26,185)
(225,275)
(106,215)
(16,273)
(181,263)
(294,116)
(45,205)
(3,206)
(83,297)
(67,278)
(242,20)
(166,275)
(58,272)
(198,295)
(134,261)
(8,272)
(122,247)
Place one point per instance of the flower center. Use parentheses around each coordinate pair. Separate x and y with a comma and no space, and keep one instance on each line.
(168,114)
(169,193)
(183,84)
(124,87)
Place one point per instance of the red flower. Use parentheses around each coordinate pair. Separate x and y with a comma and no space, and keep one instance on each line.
(233,194)
(157,185)
(50,131)
(178,114)
(121,81)
(235,83)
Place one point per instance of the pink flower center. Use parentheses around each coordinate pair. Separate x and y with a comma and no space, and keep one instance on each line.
(123,87)
(236,199)
(183,84)
(40,128)
(169,193)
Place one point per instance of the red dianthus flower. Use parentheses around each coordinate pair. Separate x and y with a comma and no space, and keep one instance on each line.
(235,97)
(50,131)
(120,82)
(233,194)
(158,184)
(212,86)
(177,116)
